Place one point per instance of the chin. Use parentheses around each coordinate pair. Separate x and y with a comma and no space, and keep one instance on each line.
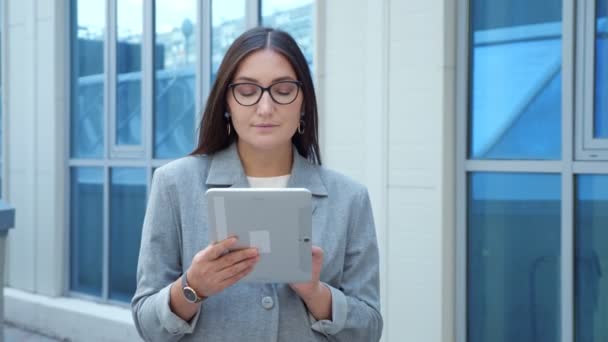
(266,143)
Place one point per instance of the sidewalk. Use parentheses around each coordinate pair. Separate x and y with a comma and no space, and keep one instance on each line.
(15,334)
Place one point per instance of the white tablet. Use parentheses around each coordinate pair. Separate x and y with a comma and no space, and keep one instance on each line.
(276,221)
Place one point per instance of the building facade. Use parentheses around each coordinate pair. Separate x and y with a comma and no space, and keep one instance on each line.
(480,128)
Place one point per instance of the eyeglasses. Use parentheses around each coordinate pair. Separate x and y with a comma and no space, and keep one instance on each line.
(248,94)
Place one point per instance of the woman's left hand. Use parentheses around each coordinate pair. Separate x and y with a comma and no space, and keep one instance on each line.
(316,295)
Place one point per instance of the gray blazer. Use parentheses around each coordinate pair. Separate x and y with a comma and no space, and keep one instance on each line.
(175,229)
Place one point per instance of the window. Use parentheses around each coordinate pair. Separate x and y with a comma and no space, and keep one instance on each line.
(295,17)
(228,21)
(592,68)
(591,258)
(174,78)
(600,121)
(513,256)
(515,80)
(531,211)
(137,71)
(1,94)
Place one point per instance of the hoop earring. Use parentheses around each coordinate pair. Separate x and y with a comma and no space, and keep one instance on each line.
(301,127)
(227,116)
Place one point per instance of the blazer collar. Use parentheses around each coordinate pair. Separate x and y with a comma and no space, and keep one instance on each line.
(226,169)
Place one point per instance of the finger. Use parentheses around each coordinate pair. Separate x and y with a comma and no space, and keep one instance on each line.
(237,268)
(317,253)
(214,251)
(235,257)
(234,279)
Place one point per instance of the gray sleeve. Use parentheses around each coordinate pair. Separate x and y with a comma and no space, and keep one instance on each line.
(158,266)
(356,304)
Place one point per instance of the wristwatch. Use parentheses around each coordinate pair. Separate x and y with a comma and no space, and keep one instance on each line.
(189,294)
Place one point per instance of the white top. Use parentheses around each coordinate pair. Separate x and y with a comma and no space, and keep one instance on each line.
(268,182)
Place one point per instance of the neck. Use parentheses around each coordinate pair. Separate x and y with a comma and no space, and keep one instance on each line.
(266,163)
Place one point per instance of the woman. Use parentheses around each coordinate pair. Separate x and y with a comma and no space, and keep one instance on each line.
(259,129)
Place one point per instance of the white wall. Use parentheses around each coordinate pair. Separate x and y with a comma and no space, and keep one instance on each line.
(35,126)
(387,74)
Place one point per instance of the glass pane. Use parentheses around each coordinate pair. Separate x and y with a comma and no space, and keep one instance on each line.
(295,17)
(591,259)
(1,99)
(174,88)
(601,71)
(127,208)
(515,81)
(129,32)
(87,81)
(227,23)
(513,257)
(86,229)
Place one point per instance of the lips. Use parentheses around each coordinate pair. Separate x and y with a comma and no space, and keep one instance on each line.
(265,125)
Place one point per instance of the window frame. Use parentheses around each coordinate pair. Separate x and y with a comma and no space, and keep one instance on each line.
(114,156)
(566,167)
(575,22)
(139,156)
(587,146)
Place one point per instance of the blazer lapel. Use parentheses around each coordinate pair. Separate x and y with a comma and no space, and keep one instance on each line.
(306,175)
(226,170)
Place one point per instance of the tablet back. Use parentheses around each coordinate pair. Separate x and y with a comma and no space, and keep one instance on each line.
(276,221)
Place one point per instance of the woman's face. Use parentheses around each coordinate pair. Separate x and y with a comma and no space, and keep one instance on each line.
(265,125)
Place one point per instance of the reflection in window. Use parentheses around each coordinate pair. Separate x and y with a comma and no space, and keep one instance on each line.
(174,88)
(227,23)
(515,99)
(86,227)
(127,208)
(295,17)
(591,258)
(129,36)
(513,257)
(87,94)
(601,71)
(1,99)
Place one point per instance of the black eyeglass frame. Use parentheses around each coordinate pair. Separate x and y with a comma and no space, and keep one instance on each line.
(267,89)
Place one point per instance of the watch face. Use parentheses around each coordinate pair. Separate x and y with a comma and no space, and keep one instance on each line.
(190,295)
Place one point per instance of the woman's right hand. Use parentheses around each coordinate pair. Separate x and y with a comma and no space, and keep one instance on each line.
(213,269)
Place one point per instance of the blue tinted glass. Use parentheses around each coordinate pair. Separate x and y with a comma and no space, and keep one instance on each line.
(127,208)
(601,71)
(87,81)
(86,227)
(129,27)
(174,87)
(591,259)
(1,104)
(228,22)
(513,257)
(295,17)
(515,82)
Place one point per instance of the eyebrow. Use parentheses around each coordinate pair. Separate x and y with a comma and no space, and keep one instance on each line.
(278,79)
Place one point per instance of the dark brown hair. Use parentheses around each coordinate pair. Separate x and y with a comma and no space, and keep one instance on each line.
(213,135)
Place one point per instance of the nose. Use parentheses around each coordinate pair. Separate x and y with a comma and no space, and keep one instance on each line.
(265,105)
